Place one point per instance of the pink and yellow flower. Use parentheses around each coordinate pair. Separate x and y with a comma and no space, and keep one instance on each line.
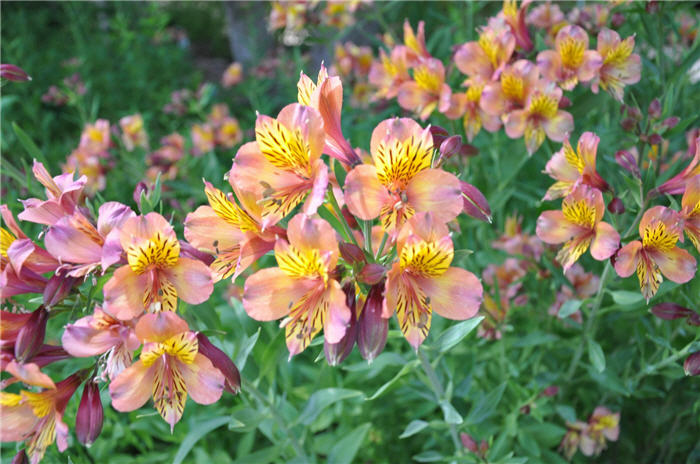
(427,91)
(96,137)
(416,50)
(571,167)
(515,17)
(169,369)
(511,90)
(36,416)
(469,105)
(570,62)
(389,73)
(228,133)
(231,232)
(156,275)
(302,289)
(541,117)
(401,182)
(603,425)
(546,15)
(283,166)
(232,76)
(677,184)
(422,280)
(690,211)
(579,225)
(133,133)
(657,252)
(620,66)
(98,334)
(487,57)
(203,139)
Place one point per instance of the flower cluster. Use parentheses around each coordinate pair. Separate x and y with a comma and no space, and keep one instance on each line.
(591,437)
(503,88)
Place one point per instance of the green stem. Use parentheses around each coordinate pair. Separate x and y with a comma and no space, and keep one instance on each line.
(439,392)
(341,218)
(380,250)
(252,389)
(652,368)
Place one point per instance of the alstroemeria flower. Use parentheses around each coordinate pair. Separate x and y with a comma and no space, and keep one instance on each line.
(690,205)
(231,232)
(657,252)
(469,105)
(570,62)
(169,369)
(98,334)
(602,425)
(401,181)
(301,289)
(156,275)
(36,416)
(486,57)
(570,167)
(284,164)
(326,97)
(677,184)
(96,137)
(545,15)
(228,132)
(579,225)
(620,66)
(515,17)
(389,73)
(82,246)
(133,133)
(540,117)
(422,280)
(62,192)
(427,91)
(415,43)
(202,139)
(511,90)
(233,75)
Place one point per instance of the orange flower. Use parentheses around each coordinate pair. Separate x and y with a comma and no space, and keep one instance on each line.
(486,57)
(570,62)
(620,66)
(427,91)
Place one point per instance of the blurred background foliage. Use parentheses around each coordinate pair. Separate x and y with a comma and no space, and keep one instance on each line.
(132,56)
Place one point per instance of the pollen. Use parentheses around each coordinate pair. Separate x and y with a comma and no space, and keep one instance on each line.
(571,52)
(656,236)
(427,259)
(160,251)
(544,106)
(579,213)
(512,86)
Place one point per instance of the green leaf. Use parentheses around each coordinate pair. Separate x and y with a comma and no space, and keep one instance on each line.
(28,144)
(413,428)
(345,450)
(566,412)
(486,406)
(546,434)
(321,399)
(626,297)
(569,308)
(450,413)
(247,344)
(596,355)
(245,420)
(404,370)
(197,431)
(528,443)
(456,334)
(428,456)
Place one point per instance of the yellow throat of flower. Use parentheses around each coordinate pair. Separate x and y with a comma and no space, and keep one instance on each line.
(512,86)
(573,158)
(543,105)
(230,211)
(615,56)
(159,251)
(398,162)
(491,50)
(474,92)
(427,259)
(298,263)
(284,148)
(656,236)
(571,52)
(182,346)
(427,79)
(579,213)
(6,239)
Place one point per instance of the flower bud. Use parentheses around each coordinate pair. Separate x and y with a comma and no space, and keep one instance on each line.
(617,20)
(652,6)
(475,204)
(372,327)
(654,110)
(351,253)
(88,420)
(694,319)
(352,222)
(31,337)
(337,352)
(467,150)
(20,457)
(439,135)
(655,139)
(564,102)
(13,73)
(450,146)
(550,391)
(670,123)
(628,124)
(372,273)
(222,362)
(141,188)
(670,311)
(469,443)
(628,162)
(691,366)
(57,288)
(616,206)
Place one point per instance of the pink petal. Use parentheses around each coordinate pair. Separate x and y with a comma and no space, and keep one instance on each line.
(82,340)
(192,280)
(158,327)
(338,317)
(307,234)
(18,422)
(472,61)
(554,228)
(606,241)
(204,382)
(42,212)
(123,293)
(269,293)
(515,124)
(549,63)
(364,194)
(436,191)
(627,258)
(70,244)
(205,230)
(318,189)
(493,101)
(137,229)
(560,169)
(112,215)
(456,294)
(559,127)
(677,264)
(592,61)
(133,387)
(30,374)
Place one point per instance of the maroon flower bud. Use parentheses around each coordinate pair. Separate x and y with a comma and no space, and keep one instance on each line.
(372,273)
(140,188)
(483,447)
(654,110)
(670,123)
(351,253)
(475,204)
(88,420)
(634,113)
(13,73)
(188,251)
(670,311)
(20,457)
(617,20)
(616,206)
(655,139)
(564,102)
(57,288)
(694,319)
(550,391)
(222,362)
(628,124)
(628,162)
(469,443)
(372,327)
(31,337)
(691,366)
(450,146)
(337,352)
(439,135)
(349,217)
(525,409)
(48,354)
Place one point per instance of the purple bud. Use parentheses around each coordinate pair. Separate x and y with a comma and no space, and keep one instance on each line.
(13,73)
(670,123)
(652,6)
(694,319)
(655,139)
(20,457)
(188,251)
(31,337)
(654,110)
(372,273)
(140,188)
(564,102)
(550,391)
(439,135)
(57,288)
(691,366)
(88,420)
(628,124)
(337,352)
(634,113)
(467,151)
(222,362)
(475,204)
(670,311)
(372,327)
(351,253)
(450,146)
(469,443)
(628,162)
(617,20)
(616,206)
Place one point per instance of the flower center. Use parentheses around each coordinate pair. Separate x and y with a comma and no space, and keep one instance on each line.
(656,236)
(427,79)
(474,92)
(183,346)
(512,86)
(159,251)
(615,56)
(579,213)
(296,263)
(544,106)
(398,162)
(283,148)
(571,52)
(427,259)
(6,239)
(573,158)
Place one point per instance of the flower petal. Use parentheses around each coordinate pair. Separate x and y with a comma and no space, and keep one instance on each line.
(337,319)
(627,259)
(554,228)
(435,191)
(456,294)
(676,265)
(192,280)
(606,241)
(204,382)
(133,387)
(124,293)
(269,293)
(364,194)
(560,126)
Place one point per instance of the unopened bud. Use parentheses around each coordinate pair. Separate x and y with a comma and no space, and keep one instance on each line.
(652,6)
(140,189)
(351,253)
(670,311)
(628,162)
(372,327)
(628,124)
(31,337)
(13,73)
(654,110)
(564,102)
(634,113)
(691,366)
(219,359)
(475,204)
(468,442)
(617,20)
(616,206)
(550,391)
(694,319)
(372,273)
(450,146)
(349,217)
(57,288)
(655,139)
(88,420)
(670,123)
(20,457)
(467,150)
(439,135)
(337,352)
